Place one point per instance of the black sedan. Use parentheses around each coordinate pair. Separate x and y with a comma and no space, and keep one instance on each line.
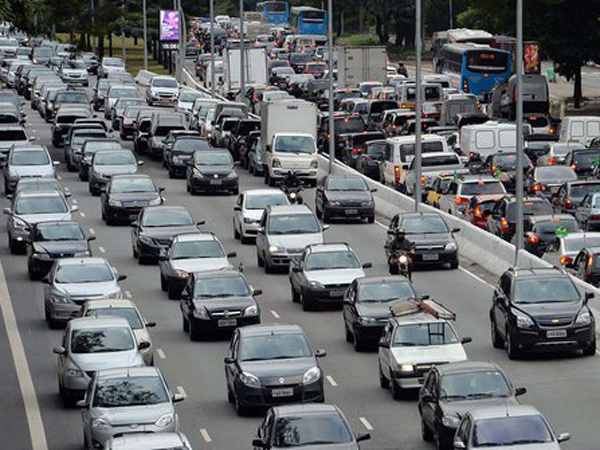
(177,155)
(212,171)
(367,307)
(213,302)
(52,240)
(347,197)
(126,195)
(156,226)
(272,364)
(372,154)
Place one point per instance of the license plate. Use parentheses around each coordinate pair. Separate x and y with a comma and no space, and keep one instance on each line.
(351,212)
(286,392)
(227,322)
(337,293)
(556,333)
(421,380)
(216,182)
(431,257)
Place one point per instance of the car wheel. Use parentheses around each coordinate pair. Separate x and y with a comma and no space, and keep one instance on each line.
(371,219)
(396,390)
(109,220)
(384,383)
(230,397)
(236,233)
(171,174)
(245,240)
(590,350)
(268,268)
(136,254)
(426,433)
(33,276)
(348,333)
(440,443)
(194,332)
(497,341)
(511,349)
(306,304)
(359,345)
(163,283)
(326,218)
(14,249)
(185,324)
(318,212)
(172,292)
(70,166)
(259,260)
(240,409)
(454,264)
(295,296)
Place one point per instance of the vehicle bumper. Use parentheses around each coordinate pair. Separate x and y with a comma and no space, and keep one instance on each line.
(212,325)
(303,174)
(280,259)
(432,258)
(151,250)
(263,396)
(99,437)
(127,130)
(123,212)
(250,230)
(362,212)
(177,168)
(207,184)
(176,283)
(369,333)
(41,265)
(325,296)
(536,340)
(62,312)
(75,386)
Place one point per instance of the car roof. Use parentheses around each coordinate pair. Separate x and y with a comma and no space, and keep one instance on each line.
(222,273)
(81,260)
(262,330)
(96,322)
(304,409)
(325,248)
(420,317)
(478,178)
(195,237)
(52,193)
(504,411)
(165,208)
(537,272)
(139,441)
(378,279)
(131,175)
(549,218)
(56,223)
(466,367)
(421,214)
(581,234)
(289,209)
(251,192)
(110,303)
(139,371)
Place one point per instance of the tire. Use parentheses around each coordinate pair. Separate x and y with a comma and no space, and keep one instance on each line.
(590,350)
(185,325)
(194,332)
(426,433)
(240,409)
(497,341)
(136,254)
(268,268)
(348,333)
(359,346)
(245,240)
(14,248)
(259,260)
(236,233)
(397,393)
(70,166)
(295,296)
(511,350)
(109,220)
(454,264)
(326,218)
(230,396)
(318,213)
(384,383)
(371,219)
(163,283)
(306,305)
(172,292)
(33,275)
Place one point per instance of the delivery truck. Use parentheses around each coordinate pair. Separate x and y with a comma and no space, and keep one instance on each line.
(361,63)
(256,66)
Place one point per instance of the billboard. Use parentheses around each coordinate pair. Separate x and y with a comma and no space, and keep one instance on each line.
(531,58)
(169,25)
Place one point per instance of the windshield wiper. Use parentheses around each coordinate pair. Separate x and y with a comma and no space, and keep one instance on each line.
(405,344)
(453,397)
(299,231)
(485,395)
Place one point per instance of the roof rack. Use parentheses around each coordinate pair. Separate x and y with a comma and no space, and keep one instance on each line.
(406,307)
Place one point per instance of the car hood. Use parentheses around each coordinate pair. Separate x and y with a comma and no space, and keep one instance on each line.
(168,232)
(430,238)
(337,276)
(295,241)
(200,264)
(108,360)
(115,170)
(63,247)
(141,335)
(101,289)
(458,408)
(550,310)
(280,371)
(6,145)
(430,354)
(141,414)
(75,72)
(230,303)
(377,310)
(341,196)
(35,218)
(165,90)
(254,214)
(135,197)
(31,171)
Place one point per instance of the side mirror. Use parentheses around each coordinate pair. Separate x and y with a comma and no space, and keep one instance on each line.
(161,189)
(261,230)
(33,138)
(374,190)
(150,324)
(258,443)
(66,194)
(9,197)
(59,350)
(562,437)
(178,398)
(466,340)
(200,223)
(589,296)
(82,404)
(426,398)
(363,437)
(257,292)
(237,208)
(325,227)
(455,230)
(367,265)
(46,280)
(268,148)
(91,238)
(134,224)
(140,163)
(520,391)
(56,163)
(383,343)
(459,445)
(143,345)
(74,208)
(228,360)
(296,269)
(320,353)
(163,257)
(231,255)
(7,211)
(391,232)
(121,277)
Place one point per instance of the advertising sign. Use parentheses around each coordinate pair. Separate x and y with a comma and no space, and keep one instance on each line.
(169,25)
(531,57)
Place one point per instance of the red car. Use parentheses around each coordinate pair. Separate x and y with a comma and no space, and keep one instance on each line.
(315,68)
(479,209)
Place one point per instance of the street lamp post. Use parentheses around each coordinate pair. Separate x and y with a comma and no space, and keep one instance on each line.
(242,51)
(418,108)
(124,50)
(451,11)
(144,19)
(182,42)
(330,64)
(212,49)
(519,124)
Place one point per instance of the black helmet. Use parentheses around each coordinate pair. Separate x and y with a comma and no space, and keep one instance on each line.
(400,232)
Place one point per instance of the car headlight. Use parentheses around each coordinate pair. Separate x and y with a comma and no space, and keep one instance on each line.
(79,254)
(367,203)
(232,175)
(101,424)
(316,285)
(114,295)
(156,201)
(524,322)
(200,313)
(182,274)
(311,375)
(275,249)
(366,320)
(18,223)
(153,94)
(584,318)
(333,203)
(59,298)
(176,159)
(73,373)
(147,240)
(165,421)
(406,368)
(314,164)
(451,246)
(35,255)
(450,421)
(249,220)
(249,380)
(112,202)
(198,174)
(251,311)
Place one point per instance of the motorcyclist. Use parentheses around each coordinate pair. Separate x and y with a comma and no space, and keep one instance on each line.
(291,180)
(400,244)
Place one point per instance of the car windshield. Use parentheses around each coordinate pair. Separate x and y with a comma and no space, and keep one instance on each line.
(274,346)
(508,161)
(83,273)
(41,205)
(530,208)
(130,391)
(424,225)
(123,93)
(545,290)
(114,159)
(59,232)
(123,103)
(129,314)
(166,217)
(385,291)
(483,187)
(80,138)
(321,429)
(293,224)
(256,202)
(102,340)
(97,146)
(13,135)
(220,287)
(190,145)
(331,261)
(47,185)
(190,97)
(295,144)
(511,431)
(491,383)
(197,249)
(346,184)
(440,160)
(554,173)
(573,244)
(74,64)
(71,97)
(29,158)
(213,159)
(164,83)
(113,62)
(69,118)
(424,334)
(132,185)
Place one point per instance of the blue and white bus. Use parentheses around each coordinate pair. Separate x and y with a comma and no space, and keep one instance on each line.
(475,68)
(309,20)
(274,11)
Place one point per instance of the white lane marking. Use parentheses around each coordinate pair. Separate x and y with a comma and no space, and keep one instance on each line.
(82,214)
(331,380)
(478,278)
(58,177)
(275,314)
(92,231)
(128,294)
(366,423)
(181,390)
(205,435)
(32,408)
(101,249)
(160,353)
(74,201)
(34,131)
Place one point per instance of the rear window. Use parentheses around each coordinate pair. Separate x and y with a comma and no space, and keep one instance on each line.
(551,227)
(379,107)
(480,188)
(530,208)
(426,147)
(349,125)
(12,135)
(586,159)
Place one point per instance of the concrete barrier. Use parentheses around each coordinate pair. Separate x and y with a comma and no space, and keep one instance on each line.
(143,77)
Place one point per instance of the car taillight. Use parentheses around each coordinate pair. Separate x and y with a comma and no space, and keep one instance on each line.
(574,166)
(538,187)
(477,212)
(423,180)
(568,203)
(594,217)
(465,85)
(552,161)
(504,225)
(397,171)
(355,150)
(460,200)
(533,239)
(493,168)
(566,260)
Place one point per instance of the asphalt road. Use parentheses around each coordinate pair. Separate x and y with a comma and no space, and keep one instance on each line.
(564,387)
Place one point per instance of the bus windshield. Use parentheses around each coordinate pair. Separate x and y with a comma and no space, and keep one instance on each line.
(486,61)
(313,16)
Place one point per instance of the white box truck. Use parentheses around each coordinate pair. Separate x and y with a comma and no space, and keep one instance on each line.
(288,140)
(256,65)
(361,63)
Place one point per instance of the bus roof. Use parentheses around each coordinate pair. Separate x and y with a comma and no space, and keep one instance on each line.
(459,35)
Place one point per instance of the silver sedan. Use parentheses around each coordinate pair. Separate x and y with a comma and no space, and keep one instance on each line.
(249,209)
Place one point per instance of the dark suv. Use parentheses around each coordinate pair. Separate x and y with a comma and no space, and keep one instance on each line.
(503,219)
(540,309)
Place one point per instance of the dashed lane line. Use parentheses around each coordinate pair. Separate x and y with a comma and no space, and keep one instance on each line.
(331,380)
(161,353)
(275,314)
(366,423)
(205,435)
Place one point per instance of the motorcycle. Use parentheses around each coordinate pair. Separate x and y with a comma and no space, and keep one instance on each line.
(293,194)
(401,263)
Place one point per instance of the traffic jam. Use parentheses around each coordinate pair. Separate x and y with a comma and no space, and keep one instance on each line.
(117,141)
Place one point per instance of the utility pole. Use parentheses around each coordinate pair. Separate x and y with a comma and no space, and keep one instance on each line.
(182,42)
(519,125)
(419,108)
(451,14)
(145,21)
(330,64)
(212,49)
(123,33)
(242,51)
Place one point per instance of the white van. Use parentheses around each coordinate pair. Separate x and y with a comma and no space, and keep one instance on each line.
(406,94)
(581,129)
(488,138)
(457,104)
(400,153)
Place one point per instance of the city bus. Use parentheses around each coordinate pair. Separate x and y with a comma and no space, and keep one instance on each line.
(475,68)
(457,36)
(309,20)
(274,11)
